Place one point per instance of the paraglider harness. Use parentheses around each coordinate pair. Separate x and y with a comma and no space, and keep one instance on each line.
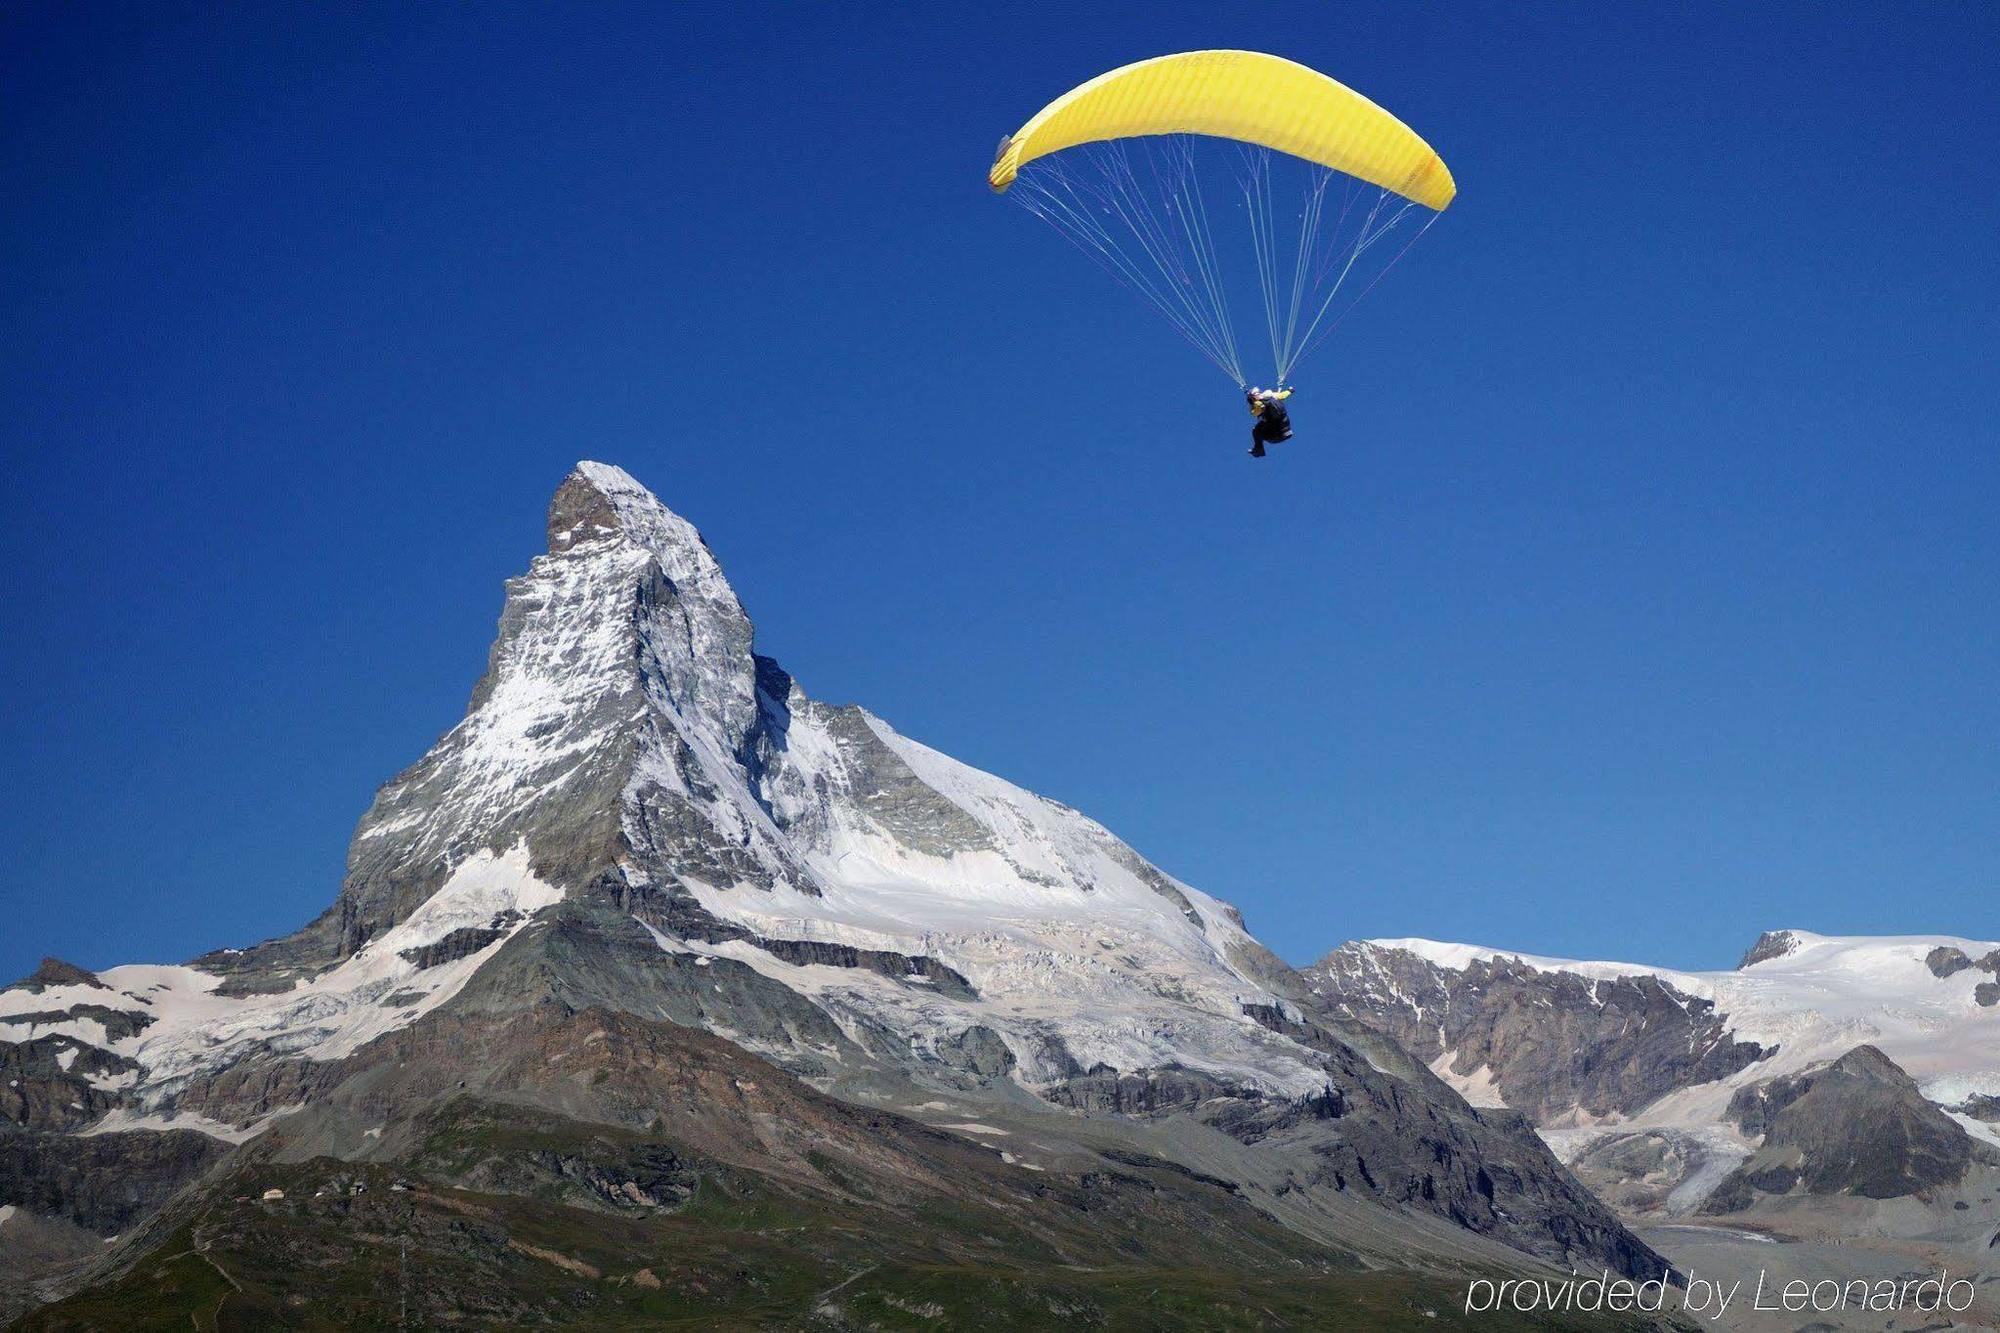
(1274,423)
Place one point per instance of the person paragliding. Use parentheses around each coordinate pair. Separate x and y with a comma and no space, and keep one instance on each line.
(1274,422)
(1144,168)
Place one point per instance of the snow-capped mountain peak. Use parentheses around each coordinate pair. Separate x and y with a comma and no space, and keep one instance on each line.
(638,815)
(626,746)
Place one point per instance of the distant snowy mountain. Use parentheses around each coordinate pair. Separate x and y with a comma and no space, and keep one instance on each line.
(639,815)
(1930,1003)
(1659,1084)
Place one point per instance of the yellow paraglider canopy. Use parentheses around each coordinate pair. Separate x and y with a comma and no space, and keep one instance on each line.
(1246,95)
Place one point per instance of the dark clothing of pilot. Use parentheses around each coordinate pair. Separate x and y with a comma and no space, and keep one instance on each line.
(1274,422)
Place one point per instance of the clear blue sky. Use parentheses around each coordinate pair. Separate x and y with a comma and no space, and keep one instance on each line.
(1633,584)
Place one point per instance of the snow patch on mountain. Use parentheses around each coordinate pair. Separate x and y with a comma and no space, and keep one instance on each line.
(195,1027)
(1058,926)
(1478,1087)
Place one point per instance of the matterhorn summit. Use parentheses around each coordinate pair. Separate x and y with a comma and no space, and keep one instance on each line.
(629,754)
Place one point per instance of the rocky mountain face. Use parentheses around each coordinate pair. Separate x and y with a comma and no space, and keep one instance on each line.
(1856,1126)
(641,820)
(1552,1044)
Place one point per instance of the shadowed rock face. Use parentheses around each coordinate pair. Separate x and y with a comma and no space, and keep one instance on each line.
(1385,1127)
(105,1182)
(46,1083)
(1857,1126)
(885,962)
(1550,1041)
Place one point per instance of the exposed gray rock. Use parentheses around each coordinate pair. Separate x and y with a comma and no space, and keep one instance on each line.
(1857,1126)
(40,1090)
(1771,944)
(246,1092)
(1986,994)
(583,956)
(883,962)
(118,1024)
(979,1051)
(1635,1173)
(1386,1127)
(1754,1107)
(1945,961)
(460,943)
(105,1182)
(1551,1041)
(1142,1092)
(1158,882)
(889,793)
(55,972)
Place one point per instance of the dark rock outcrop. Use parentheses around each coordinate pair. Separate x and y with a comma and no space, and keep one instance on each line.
(1143,1092)
(1945,961)
(978,1051)
(55,972)
(1856,1126)
(45,1084)
(460,943)
(104,1182)
(1981,1106)
(1385,1126)
(883,962)
(1771,944)
(118,1024)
